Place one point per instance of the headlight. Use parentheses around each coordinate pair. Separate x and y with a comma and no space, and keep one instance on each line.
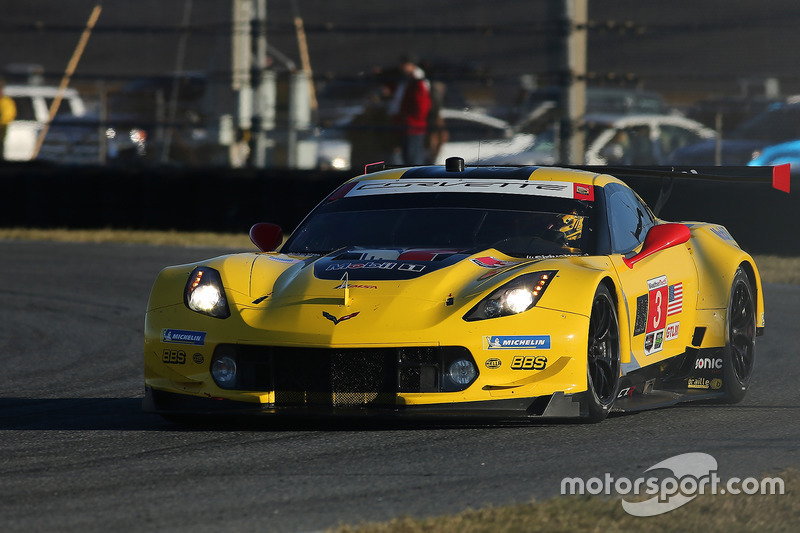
(339,163)
(462,372)
(137,136)
(204,293)
(223,370)
(514,297)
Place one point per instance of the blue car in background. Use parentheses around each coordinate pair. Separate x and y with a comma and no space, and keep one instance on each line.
(778,154)
(777,125)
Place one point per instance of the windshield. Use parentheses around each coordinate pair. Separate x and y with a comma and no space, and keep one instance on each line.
(522,226)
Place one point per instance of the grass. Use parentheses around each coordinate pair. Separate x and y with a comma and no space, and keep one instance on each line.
(776,269)
(773,269)
(156,238)
(706,513)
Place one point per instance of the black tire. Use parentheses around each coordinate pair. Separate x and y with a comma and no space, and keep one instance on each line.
(740,343)
(603,356)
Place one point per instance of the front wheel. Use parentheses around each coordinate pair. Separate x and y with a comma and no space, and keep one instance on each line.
(603,364)
(740,348)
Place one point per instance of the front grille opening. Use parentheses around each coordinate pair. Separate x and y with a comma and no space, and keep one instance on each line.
(343,377)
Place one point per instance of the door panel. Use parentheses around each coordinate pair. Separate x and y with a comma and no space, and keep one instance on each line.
(660,294)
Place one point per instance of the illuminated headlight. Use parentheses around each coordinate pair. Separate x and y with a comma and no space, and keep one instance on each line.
(518,300)
(339,163)
(137,136)
(462,372)
(516,296)
(223,370)
(204,293)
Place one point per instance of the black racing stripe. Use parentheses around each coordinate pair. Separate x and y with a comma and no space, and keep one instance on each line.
(439,172)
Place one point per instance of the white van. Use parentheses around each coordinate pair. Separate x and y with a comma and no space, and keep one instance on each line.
(33,109)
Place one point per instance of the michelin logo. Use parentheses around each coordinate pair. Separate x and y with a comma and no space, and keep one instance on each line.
(182,336)
(519,342)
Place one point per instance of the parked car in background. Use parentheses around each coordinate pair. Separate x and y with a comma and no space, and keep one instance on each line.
(367,138)
(74,141)
(779,154)
(778,124)
(476,137)
(33,110)
(540,109)
(147,121)
(640,139)
(163,119)
(618,140)
(731,110)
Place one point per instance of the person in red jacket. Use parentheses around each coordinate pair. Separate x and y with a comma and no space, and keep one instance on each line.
(409,110)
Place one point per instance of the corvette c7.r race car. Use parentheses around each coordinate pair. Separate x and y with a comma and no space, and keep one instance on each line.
(528,292)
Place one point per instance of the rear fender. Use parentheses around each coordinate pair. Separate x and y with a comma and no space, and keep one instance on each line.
(718,257)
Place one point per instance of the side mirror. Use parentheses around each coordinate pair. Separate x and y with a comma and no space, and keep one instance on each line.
(266,236)
(659,238)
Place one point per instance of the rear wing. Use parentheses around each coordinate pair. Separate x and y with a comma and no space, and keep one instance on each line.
(779,176)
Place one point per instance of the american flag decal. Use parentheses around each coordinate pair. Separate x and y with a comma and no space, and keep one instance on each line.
(675,301)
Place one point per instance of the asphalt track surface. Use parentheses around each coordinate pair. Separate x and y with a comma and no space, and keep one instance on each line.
(77,454)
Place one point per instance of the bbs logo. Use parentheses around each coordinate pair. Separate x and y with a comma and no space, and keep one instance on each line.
(173,357)
(529,362)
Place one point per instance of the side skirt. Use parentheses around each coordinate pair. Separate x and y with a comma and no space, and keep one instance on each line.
(694,375)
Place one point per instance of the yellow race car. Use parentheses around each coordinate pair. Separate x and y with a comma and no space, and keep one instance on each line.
(526,292)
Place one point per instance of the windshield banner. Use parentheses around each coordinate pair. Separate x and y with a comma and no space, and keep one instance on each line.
(555,189)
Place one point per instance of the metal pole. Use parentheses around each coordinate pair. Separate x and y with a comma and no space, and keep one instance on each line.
(260,122)
(102,140)
(241,49)
(577,13)
(305,57)
(71,66)
(173,99)
(567,54)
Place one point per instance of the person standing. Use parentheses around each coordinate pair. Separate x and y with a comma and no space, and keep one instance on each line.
(409,111)
(8,112)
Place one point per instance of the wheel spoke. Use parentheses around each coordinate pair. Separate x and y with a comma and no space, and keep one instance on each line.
(601,381)
(603,372)
(603,323)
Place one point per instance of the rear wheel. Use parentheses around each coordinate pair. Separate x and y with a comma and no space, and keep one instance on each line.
(603,355)
(740,348)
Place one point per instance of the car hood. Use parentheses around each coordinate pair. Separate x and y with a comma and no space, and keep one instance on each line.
(403,294)
(411,271)
(360,296)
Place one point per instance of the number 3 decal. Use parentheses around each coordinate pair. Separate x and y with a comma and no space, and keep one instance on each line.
(657,314)
(657,318)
